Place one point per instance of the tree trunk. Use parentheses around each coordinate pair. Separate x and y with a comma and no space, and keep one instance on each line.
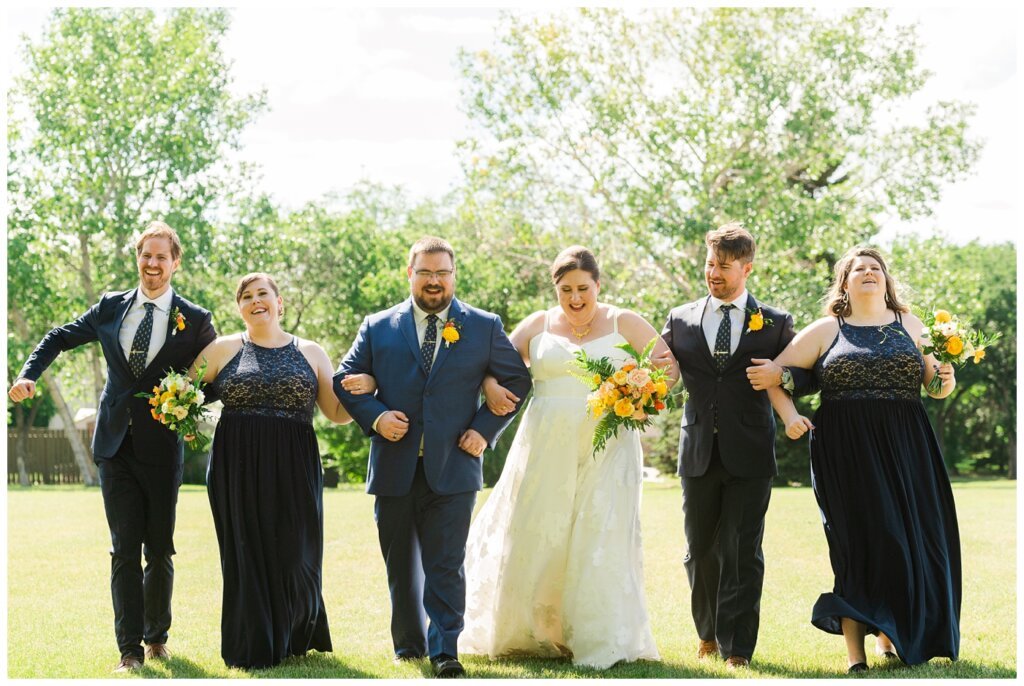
(1011,458)
(85,465)
(23,425)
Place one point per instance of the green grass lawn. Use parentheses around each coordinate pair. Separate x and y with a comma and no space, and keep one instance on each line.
(60,621)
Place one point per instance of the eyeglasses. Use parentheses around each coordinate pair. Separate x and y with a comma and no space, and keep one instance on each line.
(441,274)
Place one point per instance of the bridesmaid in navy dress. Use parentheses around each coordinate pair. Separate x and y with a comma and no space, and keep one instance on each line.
(877,471)
(265,481)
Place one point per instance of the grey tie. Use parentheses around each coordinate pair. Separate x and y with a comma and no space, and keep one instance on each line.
(429,342)
(140,344)
(723,340)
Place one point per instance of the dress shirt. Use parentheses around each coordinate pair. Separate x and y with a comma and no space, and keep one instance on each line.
(133,318)
(713,319)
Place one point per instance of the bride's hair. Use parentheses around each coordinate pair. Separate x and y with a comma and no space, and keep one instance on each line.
(574,257)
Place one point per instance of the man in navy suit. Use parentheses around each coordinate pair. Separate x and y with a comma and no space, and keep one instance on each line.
(143,333)
(428,431)
(727,444)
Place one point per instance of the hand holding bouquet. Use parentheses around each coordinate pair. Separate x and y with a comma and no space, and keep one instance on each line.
(627,396)
(950,339)
(177,403)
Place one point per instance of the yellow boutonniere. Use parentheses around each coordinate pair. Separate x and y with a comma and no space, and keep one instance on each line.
(757,320)
(179,321)
(450,332)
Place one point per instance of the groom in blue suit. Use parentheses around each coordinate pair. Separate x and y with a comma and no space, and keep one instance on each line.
(428,431)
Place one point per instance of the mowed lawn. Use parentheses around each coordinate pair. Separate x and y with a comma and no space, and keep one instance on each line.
(60,621)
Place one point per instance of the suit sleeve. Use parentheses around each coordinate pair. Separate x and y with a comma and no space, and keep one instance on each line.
(207,334)
(666,333)
(506,366)
(804,380)
(359,360)
(79,332)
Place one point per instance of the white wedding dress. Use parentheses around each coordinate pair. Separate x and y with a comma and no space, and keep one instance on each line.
(554,565)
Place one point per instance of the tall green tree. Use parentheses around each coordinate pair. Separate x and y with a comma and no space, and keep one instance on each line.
(645,129)
(128,117)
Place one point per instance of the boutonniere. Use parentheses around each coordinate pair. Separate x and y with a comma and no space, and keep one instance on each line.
(178,320)
(757,320)
(450,332)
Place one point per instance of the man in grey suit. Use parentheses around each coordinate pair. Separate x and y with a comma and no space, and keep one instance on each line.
(727,444)
(428,431)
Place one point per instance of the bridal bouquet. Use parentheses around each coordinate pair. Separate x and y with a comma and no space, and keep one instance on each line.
(952,340)
(177,403)
(627,396)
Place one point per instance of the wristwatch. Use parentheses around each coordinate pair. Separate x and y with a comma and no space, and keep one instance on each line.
(787,384)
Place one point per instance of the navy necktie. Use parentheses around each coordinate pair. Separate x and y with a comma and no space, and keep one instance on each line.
(140,344)
(429,342)
(723,340)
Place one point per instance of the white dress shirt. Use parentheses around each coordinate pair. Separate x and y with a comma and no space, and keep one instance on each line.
(133,318)
(712,319)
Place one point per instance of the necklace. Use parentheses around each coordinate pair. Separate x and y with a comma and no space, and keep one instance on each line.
(579,334)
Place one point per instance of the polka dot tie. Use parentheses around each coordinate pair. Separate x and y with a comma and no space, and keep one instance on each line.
(723,340)
(140,344)
(429,342)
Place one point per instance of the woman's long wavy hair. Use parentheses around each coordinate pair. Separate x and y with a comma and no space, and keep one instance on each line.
(837,303)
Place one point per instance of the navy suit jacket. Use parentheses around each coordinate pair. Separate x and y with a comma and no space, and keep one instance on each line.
(746,423)
(440,406)
(153,442)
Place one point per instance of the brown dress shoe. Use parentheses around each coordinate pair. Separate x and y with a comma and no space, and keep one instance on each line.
(128,663)
(707,649)
(157,651)
(737,662)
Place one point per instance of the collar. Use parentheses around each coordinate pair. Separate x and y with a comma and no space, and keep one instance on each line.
(421,317)
(163,302)
(739,301)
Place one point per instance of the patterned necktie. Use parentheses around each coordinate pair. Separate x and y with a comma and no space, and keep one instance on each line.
(140,344)
(723,340)
(429,342)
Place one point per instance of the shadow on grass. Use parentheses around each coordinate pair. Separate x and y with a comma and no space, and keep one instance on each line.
(311,666)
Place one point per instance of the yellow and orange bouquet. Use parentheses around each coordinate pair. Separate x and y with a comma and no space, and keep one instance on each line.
(177,403)
(952,340)
(623,397)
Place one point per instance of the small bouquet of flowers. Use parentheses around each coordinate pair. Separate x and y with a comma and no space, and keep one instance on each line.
(627,396)
(952,340)
(177,403)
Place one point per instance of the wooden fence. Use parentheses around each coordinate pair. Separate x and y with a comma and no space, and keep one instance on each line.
(49,459)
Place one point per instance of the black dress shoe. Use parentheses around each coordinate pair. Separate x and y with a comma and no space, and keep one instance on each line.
(857,668)
(446,667)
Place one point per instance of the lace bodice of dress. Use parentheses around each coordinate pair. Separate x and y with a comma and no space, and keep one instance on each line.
(871,362)
(271,382)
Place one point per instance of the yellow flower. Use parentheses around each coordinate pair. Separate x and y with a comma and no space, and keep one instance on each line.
(179,322)
(979,355)
(942,316)
(166,396)
(450,334)
(661,389)
(624,408)
(619,377)
(954,345)
(597,379)
(756,322)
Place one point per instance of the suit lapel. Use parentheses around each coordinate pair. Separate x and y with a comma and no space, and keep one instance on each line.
(120,314)
(697,324)
(457,314)
(167,343)
(407,325)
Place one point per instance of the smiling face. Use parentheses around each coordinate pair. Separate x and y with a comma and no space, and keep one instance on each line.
(577,296)
(432,281)
(866,278)
(259,304)
(156,266)
(726,278)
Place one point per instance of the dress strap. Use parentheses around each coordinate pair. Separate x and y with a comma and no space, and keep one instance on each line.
(841,320)
(899,317)
(245,338)
(547,320)
(615,319)
(295,341)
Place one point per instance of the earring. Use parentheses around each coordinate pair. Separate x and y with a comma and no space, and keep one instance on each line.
(846,297)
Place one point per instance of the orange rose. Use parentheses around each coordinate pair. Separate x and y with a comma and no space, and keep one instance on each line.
(658,405)
(624,408)
(954,345)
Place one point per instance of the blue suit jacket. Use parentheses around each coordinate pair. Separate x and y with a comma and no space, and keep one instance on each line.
(153,442)
(440,407)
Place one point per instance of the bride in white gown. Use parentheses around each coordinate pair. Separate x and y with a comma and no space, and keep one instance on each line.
(554,564)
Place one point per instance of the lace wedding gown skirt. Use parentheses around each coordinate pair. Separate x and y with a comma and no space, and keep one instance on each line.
(554,563)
